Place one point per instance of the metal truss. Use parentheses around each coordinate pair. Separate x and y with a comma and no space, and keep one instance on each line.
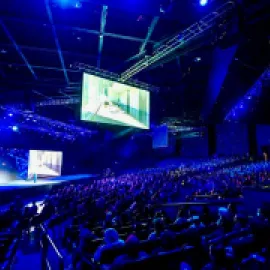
(77,29)
(103,21)
(149,34)
(180,40)
(18,49)
(47,125)
(59,101)
(57,43)
(113,76)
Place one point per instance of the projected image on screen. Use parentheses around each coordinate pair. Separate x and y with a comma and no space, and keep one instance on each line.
(106,101)
(44,163)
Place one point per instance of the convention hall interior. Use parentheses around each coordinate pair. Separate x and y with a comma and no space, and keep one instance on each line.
(134,134)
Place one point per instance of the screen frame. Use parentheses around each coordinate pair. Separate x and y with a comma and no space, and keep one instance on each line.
(112,124)
(41,175)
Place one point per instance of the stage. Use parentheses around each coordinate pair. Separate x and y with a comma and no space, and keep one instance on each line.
(27,188)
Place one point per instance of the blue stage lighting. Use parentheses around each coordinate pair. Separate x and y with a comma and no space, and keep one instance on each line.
(198,59)
(68,3)
(15,128)
(10,114)
(64,2)
(203,2)
(78,4)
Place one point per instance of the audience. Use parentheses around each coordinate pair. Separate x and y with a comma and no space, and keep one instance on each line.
(105,212)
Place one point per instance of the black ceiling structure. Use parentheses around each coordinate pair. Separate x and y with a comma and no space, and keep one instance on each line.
(42,42)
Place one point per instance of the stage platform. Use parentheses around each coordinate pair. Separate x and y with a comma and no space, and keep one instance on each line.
(27,188)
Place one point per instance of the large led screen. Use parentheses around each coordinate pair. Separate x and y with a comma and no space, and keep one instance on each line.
(110,102)
(44,163)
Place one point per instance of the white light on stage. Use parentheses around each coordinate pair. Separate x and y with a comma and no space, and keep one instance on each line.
(5,177)
(203,2)
(40,205)
(15,128)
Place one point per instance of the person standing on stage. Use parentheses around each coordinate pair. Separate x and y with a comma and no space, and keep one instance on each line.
(35,177)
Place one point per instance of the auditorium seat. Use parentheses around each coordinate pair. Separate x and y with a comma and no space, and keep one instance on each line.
(225,239)
(108,255)
(169,260)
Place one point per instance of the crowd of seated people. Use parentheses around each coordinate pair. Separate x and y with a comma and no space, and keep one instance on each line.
(117,221)
(229,181)
(120,223)
(13,221)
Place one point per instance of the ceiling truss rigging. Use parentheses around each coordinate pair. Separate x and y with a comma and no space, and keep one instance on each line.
(57,43)
(179,41)
(18,49)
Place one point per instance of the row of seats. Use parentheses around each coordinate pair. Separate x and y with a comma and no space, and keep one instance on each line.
(170,260)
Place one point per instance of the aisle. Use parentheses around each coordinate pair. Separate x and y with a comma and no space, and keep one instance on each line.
(27,261)
(28,254)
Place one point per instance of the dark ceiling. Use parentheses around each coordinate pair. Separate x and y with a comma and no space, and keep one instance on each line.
(40,41)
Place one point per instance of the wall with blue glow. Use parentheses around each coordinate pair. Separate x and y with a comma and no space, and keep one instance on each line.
(221,60)
(248,101)
(195,146)
(263,137)
(232,139)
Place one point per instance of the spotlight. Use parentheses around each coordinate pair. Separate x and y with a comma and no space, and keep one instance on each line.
(10,114)
(203,3)
(78,4)
(197,59)
(68,3)
(15,128)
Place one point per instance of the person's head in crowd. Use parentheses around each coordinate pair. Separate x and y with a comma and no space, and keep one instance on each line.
(168,240)
(217,256)
(232,208)
(206,210)
(241,221)
(158,214)
(131,242)
(225,221)
(75,221)
(108,220)
(111,236)
(158,225)
(158,229)
(132,252)
(180,213)
(181,217)
(196,222)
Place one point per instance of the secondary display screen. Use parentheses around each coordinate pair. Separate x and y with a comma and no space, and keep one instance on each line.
(44,163)
(160,137)
(110,102)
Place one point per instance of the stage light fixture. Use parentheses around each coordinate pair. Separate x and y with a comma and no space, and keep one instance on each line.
(197,59)
(10,114)
(68,3)
(78,4)
(203,3)
(15,128)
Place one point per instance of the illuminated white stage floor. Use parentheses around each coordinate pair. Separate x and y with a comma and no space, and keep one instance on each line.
(14,184)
